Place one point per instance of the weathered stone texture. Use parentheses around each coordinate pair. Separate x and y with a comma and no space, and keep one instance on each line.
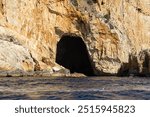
(113,30)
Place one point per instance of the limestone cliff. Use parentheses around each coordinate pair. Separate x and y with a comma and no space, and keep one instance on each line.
(115,32)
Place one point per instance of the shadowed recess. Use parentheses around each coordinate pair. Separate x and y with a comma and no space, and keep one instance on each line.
(73,55)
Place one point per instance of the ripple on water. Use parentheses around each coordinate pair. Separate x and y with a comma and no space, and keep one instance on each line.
(93,88)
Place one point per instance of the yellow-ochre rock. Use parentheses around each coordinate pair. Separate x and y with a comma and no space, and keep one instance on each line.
(116,34)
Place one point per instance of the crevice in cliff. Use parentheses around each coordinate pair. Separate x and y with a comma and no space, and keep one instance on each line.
(138,65)
(129,68)
(54,12)
(74,2)
(73,55)
(36,66)
(10,39)
(1,7)
(138,9)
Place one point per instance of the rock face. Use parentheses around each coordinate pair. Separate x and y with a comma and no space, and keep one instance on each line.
(116,34)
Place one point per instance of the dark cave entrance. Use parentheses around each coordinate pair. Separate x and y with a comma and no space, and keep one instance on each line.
(73,55)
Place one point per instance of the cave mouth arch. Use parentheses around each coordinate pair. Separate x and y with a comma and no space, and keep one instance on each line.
(72,54)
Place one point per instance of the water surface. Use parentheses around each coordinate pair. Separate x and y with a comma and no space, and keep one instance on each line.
(91,88)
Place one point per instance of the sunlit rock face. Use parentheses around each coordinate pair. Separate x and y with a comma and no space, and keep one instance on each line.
(115,33)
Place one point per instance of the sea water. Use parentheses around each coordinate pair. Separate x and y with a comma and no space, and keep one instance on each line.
(87,88)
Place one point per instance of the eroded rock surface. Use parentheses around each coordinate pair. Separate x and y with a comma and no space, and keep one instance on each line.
(116,33)
(14,56)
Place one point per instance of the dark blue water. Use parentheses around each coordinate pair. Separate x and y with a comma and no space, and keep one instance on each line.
(88,88)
